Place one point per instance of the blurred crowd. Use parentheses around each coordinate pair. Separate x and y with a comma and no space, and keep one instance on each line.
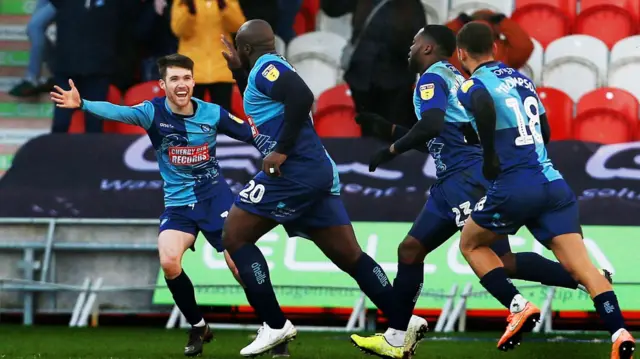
(103,42)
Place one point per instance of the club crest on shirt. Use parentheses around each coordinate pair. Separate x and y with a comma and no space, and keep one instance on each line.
(467,85)
(205,128)
(427,91)
(271,73)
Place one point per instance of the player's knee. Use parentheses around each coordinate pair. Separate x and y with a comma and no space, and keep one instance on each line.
(171,265)
(509,263)
(411,251)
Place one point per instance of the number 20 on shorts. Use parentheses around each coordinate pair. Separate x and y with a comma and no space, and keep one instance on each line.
(253,192)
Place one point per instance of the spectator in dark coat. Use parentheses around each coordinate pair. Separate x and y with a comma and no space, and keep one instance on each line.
(378,74)
(154,34)
(86,51)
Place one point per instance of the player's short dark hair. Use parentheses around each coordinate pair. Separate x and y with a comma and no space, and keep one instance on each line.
(174,60)
(443,37)
(476,38)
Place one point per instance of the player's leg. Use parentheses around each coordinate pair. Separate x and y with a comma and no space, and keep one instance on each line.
(177,234)
(280,351)
(560,230)
(432,228)
(533,267)
(248,220)
(500,214)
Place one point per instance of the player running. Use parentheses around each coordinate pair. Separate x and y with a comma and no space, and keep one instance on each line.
(453,143)
(298,187)
(197,198)
(526,191)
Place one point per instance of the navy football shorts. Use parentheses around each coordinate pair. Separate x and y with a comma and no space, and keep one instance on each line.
(296,206)
(206,216)
(547,209)
(450,203)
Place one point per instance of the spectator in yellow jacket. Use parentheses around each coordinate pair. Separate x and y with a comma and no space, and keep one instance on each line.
(198,25)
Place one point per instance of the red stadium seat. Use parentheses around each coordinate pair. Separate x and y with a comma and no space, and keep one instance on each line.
(237,108)
(305,20)
(545,20)
(77,122)
(559,110)
(607,115)
(335,114)
(608,20)
(612,98)
(142,92)
(135,95)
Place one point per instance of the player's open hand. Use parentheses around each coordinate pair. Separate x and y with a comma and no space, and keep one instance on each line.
(64,98)
(271,164)
(230,54)
(382,156)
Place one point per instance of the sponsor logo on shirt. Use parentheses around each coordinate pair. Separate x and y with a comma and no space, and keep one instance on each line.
(165,125)
(188,155)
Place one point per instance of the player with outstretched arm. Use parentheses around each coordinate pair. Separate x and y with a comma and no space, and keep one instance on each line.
(197,198)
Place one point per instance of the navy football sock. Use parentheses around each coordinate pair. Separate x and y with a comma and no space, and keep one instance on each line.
(184,295)
(254,272)
(406,289)
(533,267)
(499,285)
(609,311)
(374,283)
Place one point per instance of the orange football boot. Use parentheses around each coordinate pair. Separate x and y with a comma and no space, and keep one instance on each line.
(623,347)
(519,323)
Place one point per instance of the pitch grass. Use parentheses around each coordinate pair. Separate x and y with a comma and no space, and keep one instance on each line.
(17,342)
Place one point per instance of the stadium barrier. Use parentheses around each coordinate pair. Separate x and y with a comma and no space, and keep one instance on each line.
(88,292)
(454,310)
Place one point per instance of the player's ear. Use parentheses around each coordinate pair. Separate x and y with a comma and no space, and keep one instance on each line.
(428,49)
(162,84)
(495,48)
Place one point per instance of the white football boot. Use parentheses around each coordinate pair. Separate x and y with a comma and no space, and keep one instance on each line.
(268,338)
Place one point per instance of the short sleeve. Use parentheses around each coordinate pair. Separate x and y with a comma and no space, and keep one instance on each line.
(433,92)
(268,76)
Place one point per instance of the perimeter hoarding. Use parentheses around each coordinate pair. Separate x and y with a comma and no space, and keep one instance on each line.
(297,262)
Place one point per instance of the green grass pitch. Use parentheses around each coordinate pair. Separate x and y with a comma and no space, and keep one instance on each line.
(17,342)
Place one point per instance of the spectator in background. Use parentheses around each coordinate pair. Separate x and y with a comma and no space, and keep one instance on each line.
(43,15)
(378,72)
(514,44)
(288,9)
(266,10)
(154,33)
(198,25)
(127,61)
(86,52)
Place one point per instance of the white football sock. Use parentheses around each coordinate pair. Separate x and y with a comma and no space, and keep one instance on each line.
(517,304)
(200,324)
(395,337)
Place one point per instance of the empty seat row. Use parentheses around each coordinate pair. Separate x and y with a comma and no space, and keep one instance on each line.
(578,64)
(607,20)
